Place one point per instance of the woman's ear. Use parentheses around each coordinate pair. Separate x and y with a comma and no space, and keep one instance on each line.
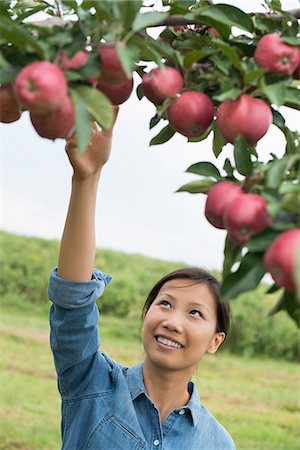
(216,342)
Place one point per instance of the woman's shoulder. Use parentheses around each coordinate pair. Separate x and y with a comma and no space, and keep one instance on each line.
(214,430)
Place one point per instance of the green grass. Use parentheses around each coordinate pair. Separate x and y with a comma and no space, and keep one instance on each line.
(257,400)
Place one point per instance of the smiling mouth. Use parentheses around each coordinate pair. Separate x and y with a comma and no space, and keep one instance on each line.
(168,342)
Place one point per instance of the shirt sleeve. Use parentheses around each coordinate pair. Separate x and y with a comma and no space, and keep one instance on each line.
(74,337)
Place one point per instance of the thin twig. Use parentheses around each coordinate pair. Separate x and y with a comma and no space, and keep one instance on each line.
(59,10)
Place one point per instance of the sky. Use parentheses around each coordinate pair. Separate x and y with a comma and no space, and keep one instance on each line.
(138,210)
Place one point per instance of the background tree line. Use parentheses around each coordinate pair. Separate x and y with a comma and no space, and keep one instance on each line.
(26,263)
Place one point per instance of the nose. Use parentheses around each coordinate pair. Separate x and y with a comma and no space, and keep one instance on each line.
(173,323)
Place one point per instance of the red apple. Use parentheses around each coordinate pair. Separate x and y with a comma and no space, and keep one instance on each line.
(41,87)
(273,53)
(117,94)
(296,73)
(191,113)
(247,116)
(9,107)
(78,60)
(58,124)
(246,216)
(160,84)
(219,196)
(280,259)
(112,71)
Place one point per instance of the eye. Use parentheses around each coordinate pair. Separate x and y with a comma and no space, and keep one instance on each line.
(196,313)
(165,303)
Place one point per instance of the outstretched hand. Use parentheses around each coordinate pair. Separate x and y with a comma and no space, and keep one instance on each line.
(96,154)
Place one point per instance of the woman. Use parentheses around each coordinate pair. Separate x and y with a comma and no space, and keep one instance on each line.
(153,404)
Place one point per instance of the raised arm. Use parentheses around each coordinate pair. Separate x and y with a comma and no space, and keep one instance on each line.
(77,248)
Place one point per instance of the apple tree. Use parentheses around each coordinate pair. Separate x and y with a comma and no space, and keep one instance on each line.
(213,71)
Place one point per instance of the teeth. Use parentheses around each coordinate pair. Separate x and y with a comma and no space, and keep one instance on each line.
(168,342)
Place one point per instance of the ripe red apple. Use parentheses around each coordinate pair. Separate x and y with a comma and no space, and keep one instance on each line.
(273,53)
(9,107)
(41,87)
(296,73)
(78,60)
(58,124)
(280,258)
(191,113)
(160,84)
(246,216)
(112,72)
(247,116)
(219,196)
(117,94)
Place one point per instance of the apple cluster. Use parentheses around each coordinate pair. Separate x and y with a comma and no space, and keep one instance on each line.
(41,88)
(192,112)
(244,215)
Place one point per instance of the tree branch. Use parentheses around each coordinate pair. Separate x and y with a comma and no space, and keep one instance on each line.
(180,20)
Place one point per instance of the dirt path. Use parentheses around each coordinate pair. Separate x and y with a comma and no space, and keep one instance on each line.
(34,335)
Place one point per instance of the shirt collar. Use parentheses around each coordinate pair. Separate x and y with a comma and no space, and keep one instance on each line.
(136,388)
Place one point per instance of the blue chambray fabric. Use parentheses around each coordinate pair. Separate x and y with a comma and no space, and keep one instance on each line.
(104,405)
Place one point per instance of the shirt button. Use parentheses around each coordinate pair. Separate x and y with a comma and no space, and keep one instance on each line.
(156,442)
(182,411)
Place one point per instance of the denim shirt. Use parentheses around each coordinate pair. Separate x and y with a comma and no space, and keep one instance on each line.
(105,406)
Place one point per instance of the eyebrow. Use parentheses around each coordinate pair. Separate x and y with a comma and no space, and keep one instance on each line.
(191,304)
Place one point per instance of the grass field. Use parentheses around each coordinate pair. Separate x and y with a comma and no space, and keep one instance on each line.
(257,400)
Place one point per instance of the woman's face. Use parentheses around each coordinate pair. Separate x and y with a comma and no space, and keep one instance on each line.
(180,326)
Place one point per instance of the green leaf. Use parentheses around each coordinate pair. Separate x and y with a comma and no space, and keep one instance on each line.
(232,253)
(233,94)
(204,169)
(228,15)
(290,40)
(19,37)
(140,92)
(128,12)
(194,56)
(276,173)
(228,168)
(202,137)
(274,5)
(218,142)
(148,19)
(242,157)
(246,278)
(152,49)
(254,75)
(197,186)
(82,121)
(276,92)
(292,98)
(128,57)
(230,52)
(97,105)
(163,136)
(288,303)
(261,241)
(154,121)
(278,118)
(4,64)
